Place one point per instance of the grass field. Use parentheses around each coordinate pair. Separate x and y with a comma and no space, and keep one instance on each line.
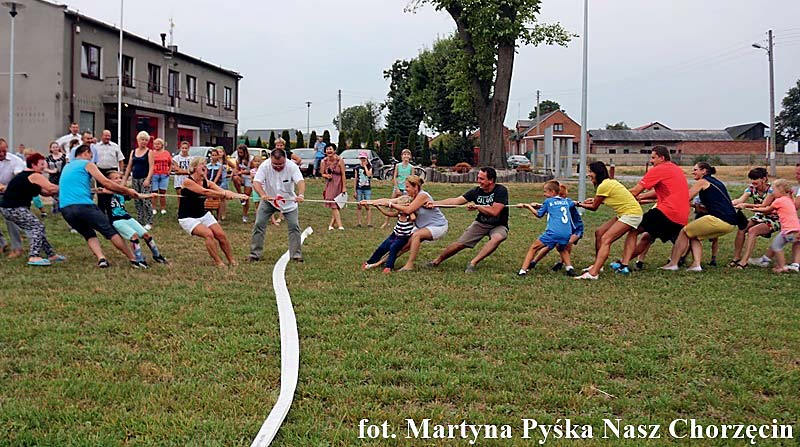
(190,355)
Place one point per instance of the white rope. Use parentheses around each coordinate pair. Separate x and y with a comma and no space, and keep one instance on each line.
(290,352)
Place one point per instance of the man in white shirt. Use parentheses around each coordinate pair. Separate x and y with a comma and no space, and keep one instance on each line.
(109,155)
(275,182)
(10,166)
(72,135)
(88,139)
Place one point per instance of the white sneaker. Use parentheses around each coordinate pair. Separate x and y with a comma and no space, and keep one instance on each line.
(148,227)
(671,268)
(244,219)
(163,212)
(793,267)
(763,261)
(587,275)
(155,212)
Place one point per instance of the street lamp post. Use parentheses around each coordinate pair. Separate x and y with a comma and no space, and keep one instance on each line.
(773,163)
(308,118)
(15,8)
(119,79)
(584,89)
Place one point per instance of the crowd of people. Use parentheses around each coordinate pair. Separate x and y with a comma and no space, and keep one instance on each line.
(79,167)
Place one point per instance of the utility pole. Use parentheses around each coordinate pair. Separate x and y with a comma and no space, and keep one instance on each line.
(339,127)
(584,101)
(536,143)
(119,78)
(308,118)
(15,8)
(773,168)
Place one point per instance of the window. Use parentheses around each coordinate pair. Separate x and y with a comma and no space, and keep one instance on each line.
(172,84)
(228,98)
(558,127)
(626,151)
(211,94)
(191,88)
(648,143)
(86,121)
(90,61)
(127,71)
(612,151)
(153,78)
(644,151)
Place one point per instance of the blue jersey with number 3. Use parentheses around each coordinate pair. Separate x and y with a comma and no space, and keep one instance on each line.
(559,218)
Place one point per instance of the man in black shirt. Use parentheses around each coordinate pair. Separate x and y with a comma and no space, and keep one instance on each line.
(490,200)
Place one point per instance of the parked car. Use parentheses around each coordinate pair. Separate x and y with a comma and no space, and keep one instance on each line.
(307,166)
(515,161)
(200,151)
(261,152)
(350,157)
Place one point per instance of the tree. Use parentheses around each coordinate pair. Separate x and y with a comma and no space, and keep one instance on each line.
(247,141)
(402,116)
(326,137)
(441,157)
(425,154)
(271,139)
(384,151)
(342,144)
(287,139)
(312,139)
(618,126)
(412,144)
(364,117)
(258,142)
(545,107)
(370,141)
(397,147)
(490,32)
(787,123)
(300,141)
(355,138)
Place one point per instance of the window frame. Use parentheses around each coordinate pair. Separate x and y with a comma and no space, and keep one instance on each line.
(86,64)
(150,87)
(131,81)
(191,88)
(227,97)
(211,94)
(558,127)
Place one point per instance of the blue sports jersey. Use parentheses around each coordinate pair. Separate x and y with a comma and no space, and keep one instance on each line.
(577,221)
(559,217)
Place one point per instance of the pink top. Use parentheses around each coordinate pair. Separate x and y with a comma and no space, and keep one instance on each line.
(787,214)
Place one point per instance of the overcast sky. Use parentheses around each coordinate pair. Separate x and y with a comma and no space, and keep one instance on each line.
(685,63)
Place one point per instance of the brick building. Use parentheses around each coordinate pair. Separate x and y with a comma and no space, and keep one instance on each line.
(530,134)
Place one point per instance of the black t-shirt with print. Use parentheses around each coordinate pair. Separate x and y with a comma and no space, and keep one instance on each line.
(498,195)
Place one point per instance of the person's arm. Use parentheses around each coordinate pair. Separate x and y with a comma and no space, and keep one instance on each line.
(768,200)
(386,211)
(767,209)
(215,191)
(151,161)
(323,167)
(492,210)
(394,177)
(742,199)
(412,207)
(301,188)
(92,169)
(636,190)
(646,197)
(128,168)
(368,170)
(697,187)
(355,178)
(460,200)
(218,175)
(48,189)
(259,188)
(296,159)
(342,170)
(591,204)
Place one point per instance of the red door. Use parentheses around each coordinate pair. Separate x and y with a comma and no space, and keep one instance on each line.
(148,124)
(185,135)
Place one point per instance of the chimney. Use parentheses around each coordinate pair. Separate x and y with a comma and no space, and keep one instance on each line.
(163,39)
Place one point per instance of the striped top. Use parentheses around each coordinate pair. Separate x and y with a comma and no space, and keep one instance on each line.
(403,229)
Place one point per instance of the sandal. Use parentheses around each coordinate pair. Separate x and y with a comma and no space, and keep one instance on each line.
(733,263)
(740,266)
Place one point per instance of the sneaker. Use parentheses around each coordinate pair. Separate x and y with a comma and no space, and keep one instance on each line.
(163,212)
(670,268)
(341,228)
(470,268)
(616,265)
(298,259)
(252,259)
(148,227)
(586,275)
(74,231)
(103,264)
(695,269)
(58,258)
(639,265)
(139,265)
(556,267)
(522,272)
(43,215)
(242,202)
(155,212)
(794,267)
(713,262)
(160,259)
(244,219)
(763,261)
(40,263)
(624,270)
(571,272)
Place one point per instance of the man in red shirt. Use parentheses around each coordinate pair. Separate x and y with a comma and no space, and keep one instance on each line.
(670,189)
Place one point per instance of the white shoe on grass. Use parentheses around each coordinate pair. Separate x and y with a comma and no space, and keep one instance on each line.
(762,261)
(793,267)
(587,275)
(695,269)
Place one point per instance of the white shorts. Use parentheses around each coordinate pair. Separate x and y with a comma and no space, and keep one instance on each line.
(631,220)
(189,223)
(436,232)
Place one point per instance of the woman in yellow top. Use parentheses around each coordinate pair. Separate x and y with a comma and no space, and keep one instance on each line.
(629,216)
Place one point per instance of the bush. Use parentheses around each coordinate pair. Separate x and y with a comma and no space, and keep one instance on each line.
(462,168)
(713,160)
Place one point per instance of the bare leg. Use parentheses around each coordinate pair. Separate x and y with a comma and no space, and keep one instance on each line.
(487,249)
(414,244)
(448,252)
(224,243)
(211,243)
(94,246)
(598,234)
(752,238)
(534,248)
(697,252)
(681,244)
(616,231)
(738,244)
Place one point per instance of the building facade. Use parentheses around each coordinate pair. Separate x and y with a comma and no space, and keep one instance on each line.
(66,66)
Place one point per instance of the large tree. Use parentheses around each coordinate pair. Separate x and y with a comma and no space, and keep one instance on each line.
(403,116)
(490,31)
(300,140)
(363,117)
(787,122)
(312,139)
(618,126)
(545,107)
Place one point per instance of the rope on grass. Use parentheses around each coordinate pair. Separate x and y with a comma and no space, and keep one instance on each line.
(290,352)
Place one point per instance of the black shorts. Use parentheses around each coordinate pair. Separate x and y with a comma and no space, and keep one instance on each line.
(659,226)
(85,219)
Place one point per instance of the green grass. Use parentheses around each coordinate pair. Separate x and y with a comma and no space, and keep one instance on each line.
(190,355)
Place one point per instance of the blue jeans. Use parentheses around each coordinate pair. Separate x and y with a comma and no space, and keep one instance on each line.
(392,245)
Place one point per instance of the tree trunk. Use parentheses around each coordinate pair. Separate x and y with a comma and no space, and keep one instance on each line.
(492,153)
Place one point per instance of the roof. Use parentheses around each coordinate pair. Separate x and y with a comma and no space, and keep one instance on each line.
(531,124)
(660,135)
(143,40)
(739,130)
(648,125)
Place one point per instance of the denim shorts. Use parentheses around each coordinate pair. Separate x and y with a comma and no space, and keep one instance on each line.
(363,194)
(159,182)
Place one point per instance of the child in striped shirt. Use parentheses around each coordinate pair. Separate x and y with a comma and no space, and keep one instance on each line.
(396,241)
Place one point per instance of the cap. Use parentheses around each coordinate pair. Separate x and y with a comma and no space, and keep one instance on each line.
(363,154)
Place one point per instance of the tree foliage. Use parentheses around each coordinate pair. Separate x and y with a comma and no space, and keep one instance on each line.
(490,32)
(342,144)
(402,116)
(412,144)
(271,139)
(355,139)
(300,141)
(425,152)
(787,123)
(545,107)
(618,126)
(247,141)
(362,117)
(312,139)
(369,143)
(384,151)
(326,136)
(258,142)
